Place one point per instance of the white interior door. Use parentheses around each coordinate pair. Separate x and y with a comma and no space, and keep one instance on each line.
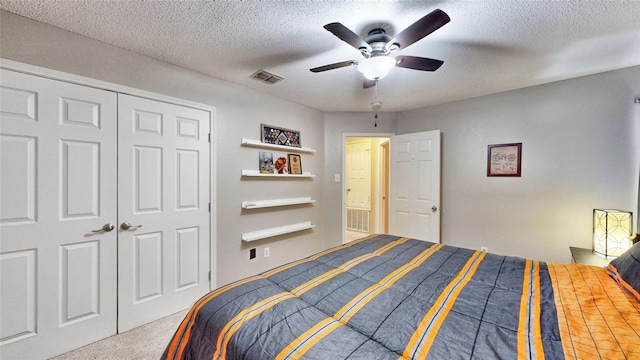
(163,181)
(383,223)
(57,186)
(415,186)
(358,165)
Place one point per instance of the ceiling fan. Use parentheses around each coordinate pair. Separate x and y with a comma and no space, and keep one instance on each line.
(378,46)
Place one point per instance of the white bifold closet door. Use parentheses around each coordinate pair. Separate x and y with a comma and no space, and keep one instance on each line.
(163,193)
(57,184)
(76,163)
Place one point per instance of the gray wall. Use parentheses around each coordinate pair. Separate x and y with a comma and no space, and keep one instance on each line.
(335,125)
(580,144)
(240,111)
(580,151)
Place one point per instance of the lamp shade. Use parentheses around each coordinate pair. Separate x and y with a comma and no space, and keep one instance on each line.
(376,67)
(611,232)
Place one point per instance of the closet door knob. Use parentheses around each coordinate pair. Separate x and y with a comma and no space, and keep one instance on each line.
(105,228)
(127,226)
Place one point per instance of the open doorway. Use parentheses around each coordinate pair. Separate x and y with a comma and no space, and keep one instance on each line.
(366,186)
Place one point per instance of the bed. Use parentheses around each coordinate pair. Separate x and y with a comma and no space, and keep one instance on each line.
(390,297)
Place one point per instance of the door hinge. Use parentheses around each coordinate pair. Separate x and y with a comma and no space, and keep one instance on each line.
(209,207)
(209,276)
(209,137)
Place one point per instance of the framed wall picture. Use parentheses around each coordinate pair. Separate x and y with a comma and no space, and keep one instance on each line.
(279,136)
(266,162)
(281,165)
(295,164)
(504,160)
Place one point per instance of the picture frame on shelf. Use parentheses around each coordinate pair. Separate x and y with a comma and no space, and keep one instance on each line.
(266,162)
(281,165)
(279,136)
(295,164)
(504,160)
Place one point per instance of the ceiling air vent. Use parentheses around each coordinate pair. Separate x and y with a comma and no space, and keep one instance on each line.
(266,77)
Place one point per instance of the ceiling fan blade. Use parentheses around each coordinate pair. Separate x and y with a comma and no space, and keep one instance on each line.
(334,66)
(348,36)
(418,63)
(368,83)
(419,29)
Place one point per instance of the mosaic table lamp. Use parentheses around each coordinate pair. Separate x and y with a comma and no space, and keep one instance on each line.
(611,232)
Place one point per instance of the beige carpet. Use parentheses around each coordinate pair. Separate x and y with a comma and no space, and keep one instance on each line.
(354,235)
(143,343)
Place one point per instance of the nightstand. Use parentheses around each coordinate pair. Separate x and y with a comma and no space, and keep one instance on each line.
(587,257)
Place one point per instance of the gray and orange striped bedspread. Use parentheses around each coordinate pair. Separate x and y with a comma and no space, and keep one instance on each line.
(387,297)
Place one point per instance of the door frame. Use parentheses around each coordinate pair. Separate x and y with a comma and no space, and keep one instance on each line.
(104,85)
(343,200)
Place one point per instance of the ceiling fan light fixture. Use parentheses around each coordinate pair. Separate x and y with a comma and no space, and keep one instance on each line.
(377,67)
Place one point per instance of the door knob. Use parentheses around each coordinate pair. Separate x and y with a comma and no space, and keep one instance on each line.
(105,228)
(127,226)
(434,208)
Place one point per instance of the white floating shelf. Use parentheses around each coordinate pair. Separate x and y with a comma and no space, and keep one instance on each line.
(291,149)
(257,173)
(258,204)
(266,233)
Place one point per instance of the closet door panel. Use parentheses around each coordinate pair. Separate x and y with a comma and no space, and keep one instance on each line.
(58,180)
(163,198)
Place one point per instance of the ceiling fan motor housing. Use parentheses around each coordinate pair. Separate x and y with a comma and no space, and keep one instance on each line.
(377,38)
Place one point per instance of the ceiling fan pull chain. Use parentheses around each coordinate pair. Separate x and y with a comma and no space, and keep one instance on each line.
(375,105)
(375,92)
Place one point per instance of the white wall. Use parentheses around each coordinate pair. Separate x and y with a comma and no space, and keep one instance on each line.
(580,151)
(635,152)
(240,111)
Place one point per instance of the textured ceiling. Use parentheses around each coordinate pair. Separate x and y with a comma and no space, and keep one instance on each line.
(488,47)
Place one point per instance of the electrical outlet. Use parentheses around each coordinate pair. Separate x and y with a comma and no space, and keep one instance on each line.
(252,253)
(484,248)
(266,252)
